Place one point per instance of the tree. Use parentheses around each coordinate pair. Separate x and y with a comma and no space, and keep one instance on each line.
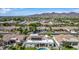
(33,26)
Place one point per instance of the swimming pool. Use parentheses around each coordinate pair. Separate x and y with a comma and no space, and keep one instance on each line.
(43,49)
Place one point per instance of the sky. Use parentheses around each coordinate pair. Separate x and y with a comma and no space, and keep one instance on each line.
(31,11)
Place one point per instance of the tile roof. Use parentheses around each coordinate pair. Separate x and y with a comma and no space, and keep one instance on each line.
(62,37)
(11,36)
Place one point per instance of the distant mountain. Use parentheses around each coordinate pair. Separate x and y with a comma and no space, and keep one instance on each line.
(55,14)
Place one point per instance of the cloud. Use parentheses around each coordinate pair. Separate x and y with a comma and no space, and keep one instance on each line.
(4,10)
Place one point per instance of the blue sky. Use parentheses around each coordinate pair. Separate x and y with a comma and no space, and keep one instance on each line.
(31,11)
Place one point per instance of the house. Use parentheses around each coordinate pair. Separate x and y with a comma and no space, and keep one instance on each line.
(11,22)
(8,28)
(35,40)
(62,39)
(23,22)
(42,28)
(5,32)
(13,38)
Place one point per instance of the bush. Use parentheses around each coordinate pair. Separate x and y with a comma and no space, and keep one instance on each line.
(68,46)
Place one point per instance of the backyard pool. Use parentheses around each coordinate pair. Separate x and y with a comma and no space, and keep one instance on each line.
(43,49)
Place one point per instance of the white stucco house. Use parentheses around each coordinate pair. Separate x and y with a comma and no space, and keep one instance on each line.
(66,39)
(35,40)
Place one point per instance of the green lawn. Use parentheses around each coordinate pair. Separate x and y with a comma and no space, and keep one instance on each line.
(30,49)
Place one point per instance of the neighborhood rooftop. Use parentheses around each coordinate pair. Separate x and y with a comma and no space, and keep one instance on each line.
(63,37)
